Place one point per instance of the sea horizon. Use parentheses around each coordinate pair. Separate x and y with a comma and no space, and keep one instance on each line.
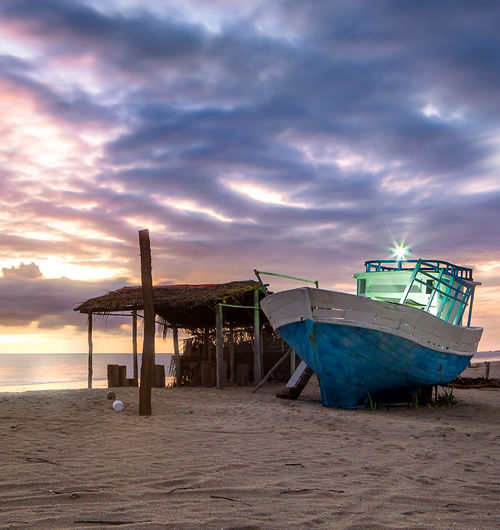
(21,372)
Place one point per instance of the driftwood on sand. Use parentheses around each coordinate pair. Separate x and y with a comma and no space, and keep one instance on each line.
(474,382)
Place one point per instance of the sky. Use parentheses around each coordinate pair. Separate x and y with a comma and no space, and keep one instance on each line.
(297,137)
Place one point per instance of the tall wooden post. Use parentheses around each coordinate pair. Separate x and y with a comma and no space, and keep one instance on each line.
(257,356)
(149,325)
(177,359)
(91,349)
(219,347)
(134,344)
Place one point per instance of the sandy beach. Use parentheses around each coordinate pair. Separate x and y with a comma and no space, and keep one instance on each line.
(231,459)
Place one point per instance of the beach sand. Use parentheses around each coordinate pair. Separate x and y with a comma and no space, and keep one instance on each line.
(211,458)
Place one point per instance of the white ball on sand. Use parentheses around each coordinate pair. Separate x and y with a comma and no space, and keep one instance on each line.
(118,405)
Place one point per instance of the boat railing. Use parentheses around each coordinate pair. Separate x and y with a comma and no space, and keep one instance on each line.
(454,290)
(264,285)
(379,265)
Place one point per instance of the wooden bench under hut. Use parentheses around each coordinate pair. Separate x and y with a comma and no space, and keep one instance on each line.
(228,339)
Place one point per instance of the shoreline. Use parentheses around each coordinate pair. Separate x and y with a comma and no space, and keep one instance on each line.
(231,459)
(477,369)
(480,369)
(61,385)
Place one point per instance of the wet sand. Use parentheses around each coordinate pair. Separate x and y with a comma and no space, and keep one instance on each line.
(230,459)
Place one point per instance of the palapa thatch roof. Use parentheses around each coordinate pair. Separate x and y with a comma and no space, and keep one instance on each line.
(183,306)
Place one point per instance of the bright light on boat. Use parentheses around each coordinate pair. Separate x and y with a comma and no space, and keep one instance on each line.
(400,252)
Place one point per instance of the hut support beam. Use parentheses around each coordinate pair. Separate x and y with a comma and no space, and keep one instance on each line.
(257,359)
(91,349)
(219,347)
(232,366)
(177,359)
(206,340)
(134,344)
(257,366)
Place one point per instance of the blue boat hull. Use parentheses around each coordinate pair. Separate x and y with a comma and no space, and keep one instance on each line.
(353,362)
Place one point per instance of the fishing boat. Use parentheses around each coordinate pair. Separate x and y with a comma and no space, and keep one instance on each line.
(407,328)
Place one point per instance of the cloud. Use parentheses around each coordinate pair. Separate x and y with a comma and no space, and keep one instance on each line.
(292,134)
(27,297)
(130,42)
(24,271)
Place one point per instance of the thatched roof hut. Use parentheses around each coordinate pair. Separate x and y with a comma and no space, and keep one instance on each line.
(193,308)
(188,307)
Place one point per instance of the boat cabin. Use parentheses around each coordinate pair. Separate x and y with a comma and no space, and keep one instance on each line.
(437,287)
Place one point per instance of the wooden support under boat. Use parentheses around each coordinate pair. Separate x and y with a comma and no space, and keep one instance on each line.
(276,365)
(296,383)
(293,366)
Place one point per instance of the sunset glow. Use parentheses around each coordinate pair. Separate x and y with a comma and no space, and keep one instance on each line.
(264,195)
(191,207)
(290,137)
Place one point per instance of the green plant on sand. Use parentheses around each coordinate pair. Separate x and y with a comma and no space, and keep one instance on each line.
(447,397)
(372,402)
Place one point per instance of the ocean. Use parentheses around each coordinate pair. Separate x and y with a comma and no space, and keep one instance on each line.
(486,356)
(49,371)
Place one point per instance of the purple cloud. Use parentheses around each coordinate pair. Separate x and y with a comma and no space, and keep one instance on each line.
(293,134)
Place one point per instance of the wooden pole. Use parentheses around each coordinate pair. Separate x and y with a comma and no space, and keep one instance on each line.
(91,349)
(177,358)
(292,364)
(470,308)
(149,325)
(219,347)
(257,357)
(232,366)
(206,352)
(134,344)
(113,375)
